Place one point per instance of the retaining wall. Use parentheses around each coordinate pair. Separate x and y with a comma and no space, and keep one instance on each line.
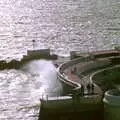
(31,55)
(88,67)
(112,105)
(62,108)
(68,85)
(107,78)
(70,108)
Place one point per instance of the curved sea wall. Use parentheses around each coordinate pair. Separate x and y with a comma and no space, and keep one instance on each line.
(107,78)
(74,107)
(69,85)
(112,105)
(92,64)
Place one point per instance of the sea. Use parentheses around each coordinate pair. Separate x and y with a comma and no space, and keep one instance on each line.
(59,25)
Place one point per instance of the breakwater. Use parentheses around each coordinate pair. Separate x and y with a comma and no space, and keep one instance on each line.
(23,82)
(82,104)
(31,55)
(86,66)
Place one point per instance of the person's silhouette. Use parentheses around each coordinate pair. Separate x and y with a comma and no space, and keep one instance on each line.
(88,88)
(92,86)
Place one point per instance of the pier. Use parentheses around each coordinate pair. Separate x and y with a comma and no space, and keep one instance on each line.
(84,95)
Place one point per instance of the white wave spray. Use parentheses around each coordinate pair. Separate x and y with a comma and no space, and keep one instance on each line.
(44,78)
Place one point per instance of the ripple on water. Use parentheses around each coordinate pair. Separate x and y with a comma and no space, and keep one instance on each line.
(26,20)
(21,90)
(15,93)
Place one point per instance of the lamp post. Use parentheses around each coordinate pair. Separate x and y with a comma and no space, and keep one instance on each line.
(33,41)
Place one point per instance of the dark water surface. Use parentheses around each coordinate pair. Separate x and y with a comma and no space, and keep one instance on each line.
(62,26)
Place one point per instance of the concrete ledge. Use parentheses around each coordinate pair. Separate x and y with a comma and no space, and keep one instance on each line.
(112,105)
(94,54)
(94,62)
(31,55)
(77,104)
(57,107)
(105,78)
(64,102)
(63,66)
(112,97)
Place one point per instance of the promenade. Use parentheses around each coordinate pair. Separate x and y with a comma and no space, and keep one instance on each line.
(82,93)
(76,76)
(81,70)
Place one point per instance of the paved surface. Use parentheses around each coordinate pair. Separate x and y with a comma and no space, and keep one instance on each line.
(83,79)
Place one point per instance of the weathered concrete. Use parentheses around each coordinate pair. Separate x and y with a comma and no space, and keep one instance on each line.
(31,55)
(109,74)
(112,105)
(95,54)
(71,107)
(76,105)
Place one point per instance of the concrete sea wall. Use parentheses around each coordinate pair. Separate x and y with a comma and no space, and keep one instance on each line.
(107,78)
(66,107)
(31,55)
(69,85)
(112,105)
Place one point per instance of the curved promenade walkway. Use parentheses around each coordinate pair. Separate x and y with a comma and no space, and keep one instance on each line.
(79,70)
(74,74)
(81,79)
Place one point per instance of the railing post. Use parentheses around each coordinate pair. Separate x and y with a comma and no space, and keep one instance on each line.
(47,97)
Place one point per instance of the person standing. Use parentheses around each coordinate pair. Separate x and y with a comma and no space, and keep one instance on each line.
(92,87)
(82,89)
(88,88)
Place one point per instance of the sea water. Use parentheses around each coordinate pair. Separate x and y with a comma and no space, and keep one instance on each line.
(62,26)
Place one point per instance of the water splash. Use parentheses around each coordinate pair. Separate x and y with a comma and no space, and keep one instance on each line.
(44,76)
